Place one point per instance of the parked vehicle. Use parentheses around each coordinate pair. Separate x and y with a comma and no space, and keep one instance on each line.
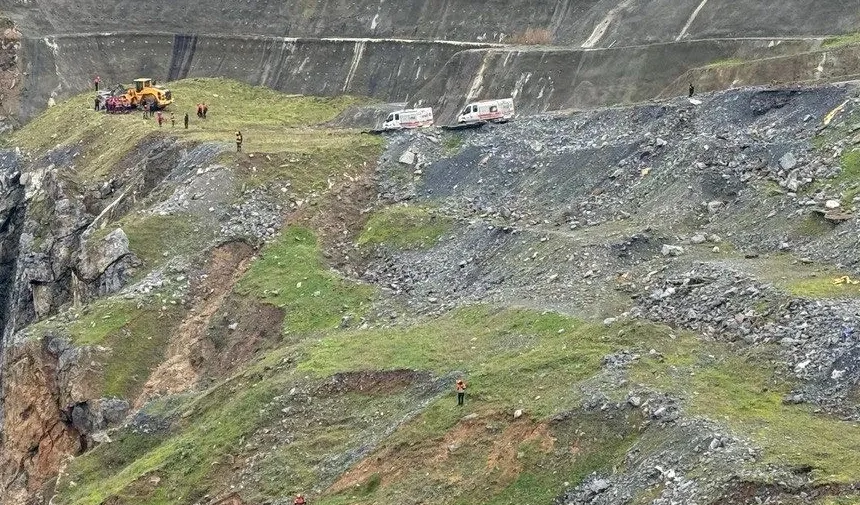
(409,118)
(488,110)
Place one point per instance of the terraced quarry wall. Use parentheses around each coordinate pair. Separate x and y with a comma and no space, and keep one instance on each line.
(591,23)
(385,69)
(440,74)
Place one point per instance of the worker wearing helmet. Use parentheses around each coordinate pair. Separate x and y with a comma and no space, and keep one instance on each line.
(300,500)
(461,391)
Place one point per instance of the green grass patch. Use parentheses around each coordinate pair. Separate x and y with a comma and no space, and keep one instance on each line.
(150,236)
(269,120)
(813,225)
(135,336)
(452,142)
(822,287)
(500,349)
(185,462)
(405,227)
(850,163)
(307,159)
(291,274)
(744,394)
(841,40)
(726,62)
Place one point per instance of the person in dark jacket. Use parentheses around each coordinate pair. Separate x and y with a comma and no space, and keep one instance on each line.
(238,142)
(186,120)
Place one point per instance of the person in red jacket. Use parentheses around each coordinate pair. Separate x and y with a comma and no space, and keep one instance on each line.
(461,391)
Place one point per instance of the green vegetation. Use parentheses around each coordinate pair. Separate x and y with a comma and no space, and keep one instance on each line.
(726,62)
(452,142)
(813,225)
(291,274)
(822,287)
(405,227)
(545,350)
(150,236)
(307,159)
(270,121)
(708,375)
(841,40)
(135,336)
(850,163)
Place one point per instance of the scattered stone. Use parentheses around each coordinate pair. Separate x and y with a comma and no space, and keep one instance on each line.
(714,206)
(788,161)
(671,250)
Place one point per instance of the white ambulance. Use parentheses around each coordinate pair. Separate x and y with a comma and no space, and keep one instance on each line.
(488,110)
(409,118)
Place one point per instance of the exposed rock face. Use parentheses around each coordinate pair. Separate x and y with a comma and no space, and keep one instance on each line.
(10,75)
(37,434)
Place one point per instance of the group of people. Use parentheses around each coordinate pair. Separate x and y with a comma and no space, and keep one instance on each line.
(202,110)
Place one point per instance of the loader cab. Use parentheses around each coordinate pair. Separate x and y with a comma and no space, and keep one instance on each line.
(140,84)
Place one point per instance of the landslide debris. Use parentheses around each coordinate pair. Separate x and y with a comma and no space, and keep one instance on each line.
(651,304)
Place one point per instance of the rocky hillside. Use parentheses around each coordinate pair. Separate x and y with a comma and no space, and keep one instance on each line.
(653,304)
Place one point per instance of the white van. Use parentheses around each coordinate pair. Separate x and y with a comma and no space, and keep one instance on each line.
(409,118)
(488,110)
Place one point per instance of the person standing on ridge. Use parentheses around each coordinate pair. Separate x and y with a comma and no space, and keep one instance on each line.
(461,391)
(172,120)
(96,83)
(692,90)
(238,141)
(186,120)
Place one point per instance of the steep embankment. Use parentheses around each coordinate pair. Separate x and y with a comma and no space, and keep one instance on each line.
(439,74)
(591,23)
(647,49)
(291,318)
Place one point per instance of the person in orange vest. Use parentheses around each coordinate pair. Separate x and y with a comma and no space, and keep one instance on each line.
(461,391)
(300,500)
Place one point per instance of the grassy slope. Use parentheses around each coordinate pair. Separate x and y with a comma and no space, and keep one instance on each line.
(270,122)
(133,334)
(405,227)
(512,358)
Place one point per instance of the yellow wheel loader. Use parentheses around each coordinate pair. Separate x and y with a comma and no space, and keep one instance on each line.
(146,92)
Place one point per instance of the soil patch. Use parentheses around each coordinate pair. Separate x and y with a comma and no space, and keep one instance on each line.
(372,381)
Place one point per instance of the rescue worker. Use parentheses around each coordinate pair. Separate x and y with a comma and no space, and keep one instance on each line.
(172,120)
(205,110)
(300,500)
(97,103)
(199,111)
(461,391)
(238,141)
(692,90)
(96,83)
(145,110)
(159,117)
(186,120)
